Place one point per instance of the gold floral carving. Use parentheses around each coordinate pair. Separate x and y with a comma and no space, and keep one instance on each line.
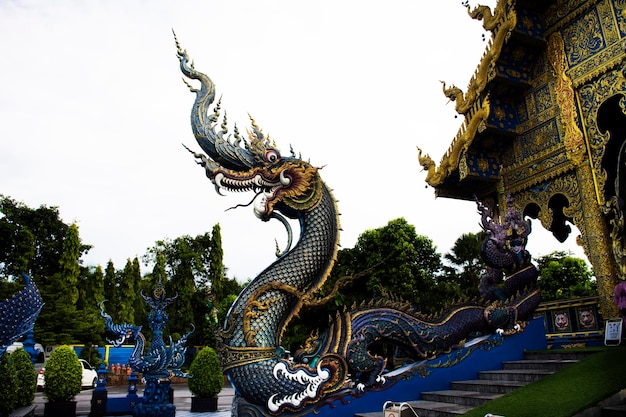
(567,185)
(615,213)
(584,212)
(590,97)
(232,356)
(562,13)
(573,139)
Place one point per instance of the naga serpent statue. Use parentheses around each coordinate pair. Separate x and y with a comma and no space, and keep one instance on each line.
(266,382)
(18,314)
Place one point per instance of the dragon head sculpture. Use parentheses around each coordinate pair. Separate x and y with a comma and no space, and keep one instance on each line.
(235,163)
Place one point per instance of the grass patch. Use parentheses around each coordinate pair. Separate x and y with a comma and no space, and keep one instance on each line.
(566,392)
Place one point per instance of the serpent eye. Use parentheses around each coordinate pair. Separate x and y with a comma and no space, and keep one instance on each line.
(271,156)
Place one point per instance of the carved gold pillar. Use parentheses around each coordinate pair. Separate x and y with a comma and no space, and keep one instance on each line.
(595,237)
(596,242)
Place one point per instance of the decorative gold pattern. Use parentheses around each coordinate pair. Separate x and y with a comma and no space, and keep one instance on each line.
(584,38)
(562,13)
(450,161)
(502,24)
(565,100)
(559,147)
(231,356)
(616,221)
(566,185)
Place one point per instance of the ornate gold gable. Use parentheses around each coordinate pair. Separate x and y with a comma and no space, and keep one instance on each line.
(542,122)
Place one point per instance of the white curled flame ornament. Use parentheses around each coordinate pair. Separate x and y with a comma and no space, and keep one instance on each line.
(311,385)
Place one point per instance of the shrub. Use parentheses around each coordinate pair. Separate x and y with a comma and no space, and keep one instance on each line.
(206,379)
(62,375)
(8,380)
(26,377)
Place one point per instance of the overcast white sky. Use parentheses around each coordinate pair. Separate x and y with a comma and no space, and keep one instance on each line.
(93,113)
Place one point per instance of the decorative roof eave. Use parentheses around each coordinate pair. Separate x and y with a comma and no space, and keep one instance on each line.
(474,121)
(501,23)
(473,104)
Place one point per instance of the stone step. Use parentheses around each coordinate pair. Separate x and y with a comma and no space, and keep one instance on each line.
(452,396)
(486,386)
(561,354)
(522,375)
(543,364)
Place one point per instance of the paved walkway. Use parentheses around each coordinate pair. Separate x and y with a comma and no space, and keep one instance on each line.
(182,401)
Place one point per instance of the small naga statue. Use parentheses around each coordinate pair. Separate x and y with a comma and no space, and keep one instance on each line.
(480,12)
(504,252)
(157,365)
(267,382)
(454,93)
(18,314)
(427,163)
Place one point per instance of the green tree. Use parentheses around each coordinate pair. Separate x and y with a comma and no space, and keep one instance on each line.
(192,268)
(32,239)
(159,274)
(391,260)
(31,243)
(402,262)
(110,287)
(58,320)
(127,294)
(91,294)
(564,276)
(186,263)
(211,289)
(466,265)
(140,306)
(216,264)
(39,243)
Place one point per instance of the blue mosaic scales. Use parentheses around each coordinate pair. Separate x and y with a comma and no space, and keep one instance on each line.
(18,314)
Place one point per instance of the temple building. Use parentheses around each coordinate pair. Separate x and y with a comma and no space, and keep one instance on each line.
(545,122)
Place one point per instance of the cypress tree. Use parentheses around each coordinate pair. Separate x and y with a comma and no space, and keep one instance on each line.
(216,264)
(60,293)
(91,290)
(127,295)
(110,290)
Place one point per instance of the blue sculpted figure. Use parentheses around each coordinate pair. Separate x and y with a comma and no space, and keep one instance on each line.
(18,314)
(157,365)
